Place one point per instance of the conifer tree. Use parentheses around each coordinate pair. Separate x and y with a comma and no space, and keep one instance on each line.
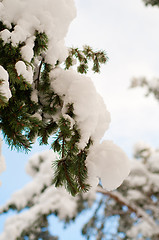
(43,94)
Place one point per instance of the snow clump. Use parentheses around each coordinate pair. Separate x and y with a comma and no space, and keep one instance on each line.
(4,86)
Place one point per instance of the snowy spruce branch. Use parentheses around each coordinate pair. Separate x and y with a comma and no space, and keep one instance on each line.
(42,96)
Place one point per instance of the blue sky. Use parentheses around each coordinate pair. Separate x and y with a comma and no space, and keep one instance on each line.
(128,31)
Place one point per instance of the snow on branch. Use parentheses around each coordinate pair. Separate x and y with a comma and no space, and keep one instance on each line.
(45,97)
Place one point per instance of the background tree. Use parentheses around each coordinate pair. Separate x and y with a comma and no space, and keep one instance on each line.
(151,2)
(134,205)
(41,199)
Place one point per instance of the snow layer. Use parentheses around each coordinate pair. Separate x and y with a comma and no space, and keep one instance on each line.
(51,16)
(143,228)
(26,72)
(92,116)
(5,35)
(27,50)
(153,162)
(111,165)
(4,86)
(154,83)
(50,201)
(142,149)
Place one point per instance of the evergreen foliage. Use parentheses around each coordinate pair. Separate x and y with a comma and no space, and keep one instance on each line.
(151,2)
(83,57)
(24,118)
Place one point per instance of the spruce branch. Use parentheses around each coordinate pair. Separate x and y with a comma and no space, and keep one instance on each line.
(63,176)
(35,110)
(81,170)
(40,43)
(83,56)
